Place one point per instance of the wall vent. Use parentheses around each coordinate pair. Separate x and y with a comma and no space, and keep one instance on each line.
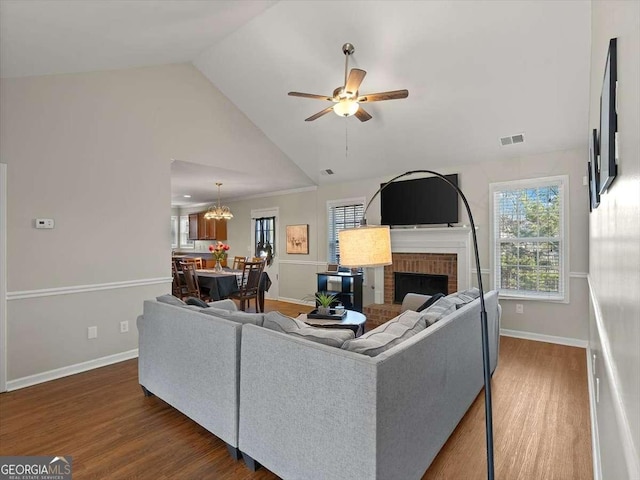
(512,139)
(328,171)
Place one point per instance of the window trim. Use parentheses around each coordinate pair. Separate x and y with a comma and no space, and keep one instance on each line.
(184,246)
(340,203)
(564,187)
(175,235)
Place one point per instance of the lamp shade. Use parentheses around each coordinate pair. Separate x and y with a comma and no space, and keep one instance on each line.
(367,246)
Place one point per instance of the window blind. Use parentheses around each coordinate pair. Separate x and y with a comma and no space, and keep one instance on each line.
(340,218)
(529,238)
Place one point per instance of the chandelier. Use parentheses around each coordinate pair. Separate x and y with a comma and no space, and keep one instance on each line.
(218,212)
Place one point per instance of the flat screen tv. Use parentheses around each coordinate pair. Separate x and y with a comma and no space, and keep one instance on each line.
(421,201)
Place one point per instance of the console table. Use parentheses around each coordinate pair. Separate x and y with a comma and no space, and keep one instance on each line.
(346,286)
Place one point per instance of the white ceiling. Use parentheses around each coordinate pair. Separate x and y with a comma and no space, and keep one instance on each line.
(475,71)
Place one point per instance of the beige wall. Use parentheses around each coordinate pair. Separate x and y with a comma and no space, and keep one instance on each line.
(93,152)
(297,272)
(614,256)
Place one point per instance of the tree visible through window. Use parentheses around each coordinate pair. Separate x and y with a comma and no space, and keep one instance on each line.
(529,238)
(342,214)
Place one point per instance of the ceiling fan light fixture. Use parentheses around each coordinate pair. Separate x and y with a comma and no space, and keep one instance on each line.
(218,212)
(346,107)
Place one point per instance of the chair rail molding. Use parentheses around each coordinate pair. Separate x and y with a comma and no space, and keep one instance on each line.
(48,292)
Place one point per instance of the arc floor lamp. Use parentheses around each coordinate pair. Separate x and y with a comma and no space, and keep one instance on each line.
(370,246)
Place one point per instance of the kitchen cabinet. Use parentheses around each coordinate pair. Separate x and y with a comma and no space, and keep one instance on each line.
(202,229)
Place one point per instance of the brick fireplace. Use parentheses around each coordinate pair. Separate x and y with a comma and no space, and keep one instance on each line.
(440,251)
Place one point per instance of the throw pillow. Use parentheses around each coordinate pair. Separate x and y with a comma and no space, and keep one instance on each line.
(433,299)
(334,337)
(171,300)
(440,309)
(196,302)
(466,296)
(387,335)
(238,317)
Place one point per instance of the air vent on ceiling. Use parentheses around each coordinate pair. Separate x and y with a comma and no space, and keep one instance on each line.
(512,139)
(328,171)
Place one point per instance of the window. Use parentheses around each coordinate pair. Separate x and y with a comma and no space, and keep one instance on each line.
(184,232)
(530,240)
(174,231)
(265,239)
(341,214)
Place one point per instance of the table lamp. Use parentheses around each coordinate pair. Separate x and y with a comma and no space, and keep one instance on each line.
(370,246)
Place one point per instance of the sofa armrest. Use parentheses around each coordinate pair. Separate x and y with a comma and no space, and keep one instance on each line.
(412,301)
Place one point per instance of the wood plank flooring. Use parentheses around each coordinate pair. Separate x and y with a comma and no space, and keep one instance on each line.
(102,419)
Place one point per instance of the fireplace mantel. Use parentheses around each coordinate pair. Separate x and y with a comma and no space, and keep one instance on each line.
(430,240)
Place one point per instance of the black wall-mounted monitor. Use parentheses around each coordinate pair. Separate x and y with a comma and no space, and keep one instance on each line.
(421,201)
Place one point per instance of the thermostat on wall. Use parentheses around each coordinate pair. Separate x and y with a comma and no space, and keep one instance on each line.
(44,222)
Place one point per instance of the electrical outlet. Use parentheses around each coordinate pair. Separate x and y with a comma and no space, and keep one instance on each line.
(124,326)
(519,308)
(92,332)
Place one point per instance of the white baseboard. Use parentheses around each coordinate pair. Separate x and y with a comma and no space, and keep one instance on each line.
(70,370)
(595,438)
(297,301)
(538,337)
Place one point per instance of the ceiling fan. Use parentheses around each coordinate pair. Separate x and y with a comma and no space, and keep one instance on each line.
(346,99)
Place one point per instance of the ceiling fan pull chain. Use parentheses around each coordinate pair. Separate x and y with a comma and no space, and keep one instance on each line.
(346,139)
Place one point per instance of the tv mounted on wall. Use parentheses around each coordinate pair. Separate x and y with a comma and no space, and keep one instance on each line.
(609,120)
(422,201)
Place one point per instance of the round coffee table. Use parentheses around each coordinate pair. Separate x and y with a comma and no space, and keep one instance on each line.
(352,320)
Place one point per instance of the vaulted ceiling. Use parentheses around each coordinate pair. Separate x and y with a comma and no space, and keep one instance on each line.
(475,70)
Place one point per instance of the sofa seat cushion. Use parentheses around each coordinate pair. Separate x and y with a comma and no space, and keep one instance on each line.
(334,337)
(235,316)
(388,335)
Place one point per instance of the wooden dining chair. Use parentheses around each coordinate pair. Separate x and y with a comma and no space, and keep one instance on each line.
(249,284)
(195,260)
(191,280)
(238,262)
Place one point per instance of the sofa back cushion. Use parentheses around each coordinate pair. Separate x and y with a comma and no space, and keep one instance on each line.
(334,337)
(170,300)
(235,316)
(388,335)
(440,309)
(460,299)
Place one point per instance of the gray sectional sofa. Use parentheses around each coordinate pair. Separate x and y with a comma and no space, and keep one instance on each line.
(292,400)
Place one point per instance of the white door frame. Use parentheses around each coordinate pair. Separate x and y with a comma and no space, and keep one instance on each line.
(274,269)
(3,277)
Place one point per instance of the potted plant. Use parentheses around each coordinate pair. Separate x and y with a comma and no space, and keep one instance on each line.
(324,301)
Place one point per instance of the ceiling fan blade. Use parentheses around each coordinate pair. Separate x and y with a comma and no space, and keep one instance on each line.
(377,97)
(362,115)
(319,114)
(355,79)
(310,95)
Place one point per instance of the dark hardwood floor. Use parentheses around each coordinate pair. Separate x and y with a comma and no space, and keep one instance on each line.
(102,420)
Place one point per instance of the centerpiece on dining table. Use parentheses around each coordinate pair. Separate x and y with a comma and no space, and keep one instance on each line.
(219,253)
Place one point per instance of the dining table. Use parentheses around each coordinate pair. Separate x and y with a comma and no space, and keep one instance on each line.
(221,285)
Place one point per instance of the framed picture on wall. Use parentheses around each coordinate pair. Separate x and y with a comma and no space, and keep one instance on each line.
(594,171)
(298,239)
(608,120)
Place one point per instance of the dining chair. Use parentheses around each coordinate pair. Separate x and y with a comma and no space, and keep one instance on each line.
(191,280)
(238,262)
(195,260)
(249,284)
(178,287)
